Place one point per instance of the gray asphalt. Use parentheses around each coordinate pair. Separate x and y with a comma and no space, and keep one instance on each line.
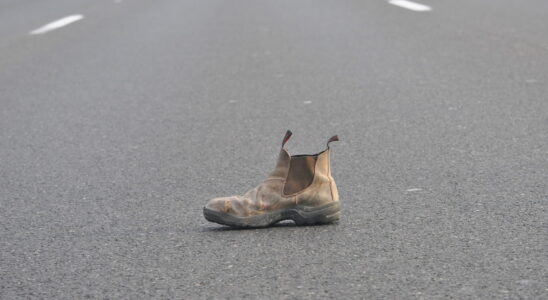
(115,131)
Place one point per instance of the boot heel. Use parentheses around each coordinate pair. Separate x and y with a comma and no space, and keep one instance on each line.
(316,215)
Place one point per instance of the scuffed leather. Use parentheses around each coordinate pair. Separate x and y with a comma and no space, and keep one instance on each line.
(269,195)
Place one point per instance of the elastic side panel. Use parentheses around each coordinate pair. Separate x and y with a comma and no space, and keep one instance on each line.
(300,175)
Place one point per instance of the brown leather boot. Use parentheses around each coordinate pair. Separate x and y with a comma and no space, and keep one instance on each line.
(300,188)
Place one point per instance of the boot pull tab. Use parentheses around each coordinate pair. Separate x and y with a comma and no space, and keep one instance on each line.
(288,134)
(334,138)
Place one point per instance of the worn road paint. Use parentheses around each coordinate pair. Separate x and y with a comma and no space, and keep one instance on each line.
(410,5)
(57,24)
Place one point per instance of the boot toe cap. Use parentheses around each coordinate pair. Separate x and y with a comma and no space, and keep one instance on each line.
(221,204)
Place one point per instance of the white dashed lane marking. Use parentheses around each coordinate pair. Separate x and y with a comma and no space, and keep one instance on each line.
(57,24)
(410,5)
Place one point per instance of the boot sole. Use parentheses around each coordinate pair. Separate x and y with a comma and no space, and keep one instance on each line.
(301,215)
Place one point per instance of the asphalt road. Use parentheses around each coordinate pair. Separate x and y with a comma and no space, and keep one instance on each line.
(116,129)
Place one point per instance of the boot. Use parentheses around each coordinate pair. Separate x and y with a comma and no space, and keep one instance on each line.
(300,188)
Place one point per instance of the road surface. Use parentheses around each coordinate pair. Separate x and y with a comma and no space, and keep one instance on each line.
(118,123)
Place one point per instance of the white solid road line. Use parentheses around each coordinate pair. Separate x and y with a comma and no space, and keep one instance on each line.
(410,5)
(57,24)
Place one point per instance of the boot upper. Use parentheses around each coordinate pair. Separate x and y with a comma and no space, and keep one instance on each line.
(303,180)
